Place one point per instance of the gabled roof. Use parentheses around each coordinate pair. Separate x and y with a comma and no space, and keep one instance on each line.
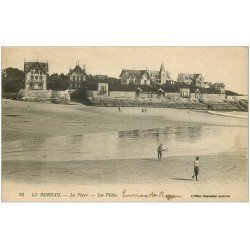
(139,73)
(130,72)
(155,72)
(77,67)
(28,66)
(196,76)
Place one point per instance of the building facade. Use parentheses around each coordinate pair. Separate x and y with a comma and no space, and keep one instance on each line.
(103,87)
(196,79)
(146,77)
(77,77)
(185,92)
(36,75)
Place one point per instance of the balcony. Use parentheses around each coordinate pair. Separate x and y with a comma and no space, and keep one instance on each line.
(35,81)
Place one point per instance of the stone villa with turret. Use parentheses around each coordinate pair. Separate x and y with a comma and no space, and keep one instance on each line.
(146,77)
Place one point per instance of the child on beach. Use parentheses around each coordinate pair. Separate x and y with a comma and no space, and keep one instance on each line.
(196,168)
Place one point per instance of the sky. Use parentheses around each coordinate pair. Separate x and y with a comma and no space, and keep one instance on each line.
(217,64)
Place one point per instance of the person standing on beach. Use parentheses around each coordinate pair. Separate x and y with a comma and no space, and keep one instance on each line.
(196,168)
(159,150)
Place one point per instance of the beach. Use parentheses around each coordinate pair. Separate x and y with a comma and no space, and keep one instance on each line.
(30,164)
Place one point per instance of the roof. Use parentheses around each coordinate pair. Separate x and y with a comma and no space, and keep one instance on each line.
(130,71)
(162,69)
(190,76)
(196,76)
(77,67)
(185,74)
(28,66)
(138,73)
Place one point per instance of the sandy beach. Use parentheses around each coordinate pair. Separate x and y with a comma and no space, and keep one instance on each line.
(222,173)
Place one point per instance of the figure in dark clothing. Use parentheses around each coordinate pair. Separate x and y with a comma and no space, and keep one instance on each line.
(196,168)
(159,150)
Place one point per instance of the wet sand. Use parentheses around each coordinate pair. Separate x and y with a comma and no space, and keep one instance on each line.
(43,119)
(224,173)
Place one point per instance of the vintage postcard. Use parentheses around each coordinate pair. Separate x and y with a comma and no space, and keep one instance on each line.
(122,124)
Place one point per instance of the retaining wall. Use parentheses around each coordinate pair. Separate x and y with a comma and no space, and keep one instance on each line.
(213,97)
(122,94)
(45,96)
(111,94)
(60,97)
(232,97)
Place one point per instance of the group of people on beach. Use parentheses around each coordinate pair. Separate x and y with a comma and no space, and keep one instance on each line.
(160,149)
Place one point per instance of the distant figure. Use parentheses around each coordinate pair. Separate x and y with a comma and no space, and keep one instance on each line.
(196,169)
(119,108)
(159,150)
(145,110)
(142,110)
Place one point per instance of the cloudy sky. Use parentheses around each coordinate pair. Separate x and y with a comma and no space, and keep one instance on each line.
(216,64)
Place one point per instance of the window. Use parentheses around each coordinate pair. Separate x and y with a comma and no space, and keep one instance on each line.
(82,78)
(74,78)
(36,77)
(40,78)
(32,77)
(103,89)
(41,73)
(31,86)
(31,72)
(77,78)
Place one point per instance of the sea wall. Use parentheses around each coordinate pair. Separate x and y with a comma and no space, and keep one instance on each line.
(111,94)
(96,94)
(122,94)
(240,97)
(45,96)
(172,95)
(36,95)
(171,100)
(60,97)
(213,97)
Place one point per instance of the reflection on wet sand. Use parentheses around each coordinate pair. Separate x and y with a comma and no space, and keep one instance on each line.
(132,144)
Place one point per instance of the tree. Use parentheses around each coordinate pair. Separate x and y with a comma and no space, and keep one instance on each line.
(12,80)
(58,82)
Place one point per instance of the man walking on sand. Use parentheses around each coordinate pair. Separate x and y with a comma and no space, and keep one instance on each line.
(159,150)
(196,168)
